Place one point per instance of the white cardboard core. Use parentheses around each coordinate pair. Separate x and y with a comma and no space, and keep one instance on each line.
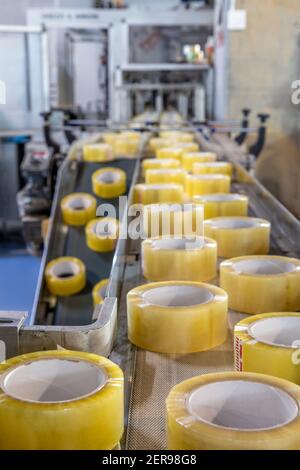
(276,331)
(234,222)
(220,197)
(65,269)
(178,296)
(178,243)
(109,177)
(264,267)
(53,380)
(79,203)
(242,405)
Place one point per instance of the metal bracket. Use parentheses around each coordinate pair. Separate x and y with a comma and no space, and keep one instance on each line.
(10,324)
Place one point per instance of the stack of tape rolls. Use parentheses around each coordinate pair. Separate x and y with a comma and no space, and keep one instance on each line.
(169,152)
(184,259)
(177,136)
(98,152)
(65,276)
(61,400)
(176,176)
(234,411)
(109,182)
(99,291)
(219,168)
(163,163)
(239,236)
(196,185)
(190,158)
(172,219)
(102,234)
(177,317)
(269,344)
(220,205)
(156,193)
(262,284)
(78,208)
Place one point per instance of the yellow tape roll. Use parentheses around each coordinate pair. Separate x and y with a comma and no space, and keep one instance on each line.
(78,208)
(239,236)
(156,164)
(172,219)
(156,193)
(177,317)
(109,182)
(197,185)
(99,291)
(184,259)
(176,176)
(130,135)
(190,158)
(109,138)
(269,344)
(124,147)
(179,136)
(187,147)
(262,284)
(234,411)
(218,205)
(97,153)
(218,168)
(60,400)
(65,276)
(102,234)
(156,143)
(169,152)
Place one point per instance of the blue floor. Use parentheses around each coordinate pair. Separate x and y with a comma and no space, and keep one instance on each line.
(18,277)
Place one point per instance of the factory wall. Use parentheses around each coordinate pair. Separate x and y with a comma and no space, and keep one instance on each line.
(264,60)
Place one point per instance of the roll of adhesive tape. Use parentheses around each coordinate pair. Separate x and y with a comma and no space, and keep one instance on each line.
(124,147)
(60,400)
(190,158)
(234,411)
(156,193)
(184,259)
(156,143)
(169,152)
(239,236)
(99,291)
(78,208)
(196,185)
(269,344)
(172,219)
(109,138)
(157,164)
(262,284)
(109,183)
(187,147)
(98,153)
(177,317)
(102,234)
(65,276)
(161,176)
(131,135)
(218,168)
(218,205)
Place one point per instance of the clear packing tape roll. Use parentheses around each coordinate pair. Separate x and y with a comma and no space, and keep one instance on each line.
(78,208)
(172,219)
(156,164)
(190,158)
(262,284)
(102,234)
(207,184)
(98,152)
(125,147)
(269,344)
(239,236)
(99,292)
(60,400)
(178,136)
(219,168)
(156,143)
(182,259)
(174,153)
(234,411)
(158,193)
(220,205)
(165,176)
(65,276)
(177,317)
(109,183)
